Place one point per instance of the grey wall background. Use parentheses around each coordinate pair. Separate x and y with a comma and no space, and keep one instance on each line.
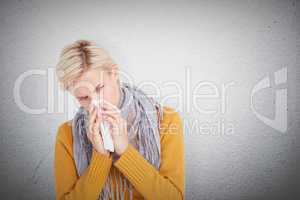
(218,41)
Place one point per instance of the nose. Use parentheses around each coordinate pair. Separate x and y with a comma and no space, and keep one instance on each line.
(95,96)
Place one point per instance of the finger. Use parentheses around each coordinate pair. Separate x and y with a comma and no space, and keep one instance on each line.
(93,116)
(97,136)
(116,116)
(100,114)
(114,125)
(90,129)
(89,136)
(99,119)
(106,105)
(95,127)
(91,107)
(94,133)
(91,121)
(111,121)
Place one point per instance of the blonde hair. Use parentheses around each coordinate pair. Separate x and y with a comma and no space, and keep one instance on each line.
(78,57)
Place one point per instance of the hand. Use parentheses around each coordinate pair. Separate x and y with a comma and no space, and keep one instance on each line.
(118,131)
(94,132)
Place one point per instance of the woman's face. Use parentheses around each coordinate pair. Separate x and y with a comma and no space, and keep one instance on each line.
(96,82)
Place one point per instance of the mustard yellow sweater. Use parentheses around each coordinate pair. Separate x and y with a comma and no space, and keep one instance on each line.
(167,183)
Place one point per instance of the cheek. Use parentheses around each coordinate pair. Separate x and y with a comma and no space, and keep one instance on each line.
(109,93)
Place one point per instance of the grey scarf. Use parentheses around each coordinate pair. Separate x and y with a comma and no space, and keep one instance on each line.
(143,116)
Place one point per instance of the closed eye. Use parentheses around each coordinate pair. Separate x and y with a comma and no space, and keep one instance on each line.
(99,87)
(83,98)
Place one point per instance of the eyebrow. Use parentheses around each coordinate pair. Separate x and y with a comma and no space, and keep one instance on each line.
(100,84)
(82,96)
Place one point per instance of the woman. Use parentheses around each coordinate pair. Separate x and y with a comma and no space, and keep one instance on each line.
(147,161)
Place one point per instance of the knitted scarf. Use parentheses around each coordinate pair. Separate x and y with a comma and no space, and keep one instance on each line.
(143,116)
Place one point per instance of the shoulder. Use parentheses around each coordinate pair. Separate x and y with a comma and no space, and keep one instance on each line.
(64,133)
(171,120)
(170,115)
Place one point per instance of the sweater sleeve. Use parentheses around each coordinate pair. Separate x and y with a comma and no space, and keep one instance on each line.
(67,183)
(167,182)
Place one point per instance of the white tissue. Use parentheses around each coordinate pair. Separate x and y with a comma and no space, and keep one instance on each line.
(104,127)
